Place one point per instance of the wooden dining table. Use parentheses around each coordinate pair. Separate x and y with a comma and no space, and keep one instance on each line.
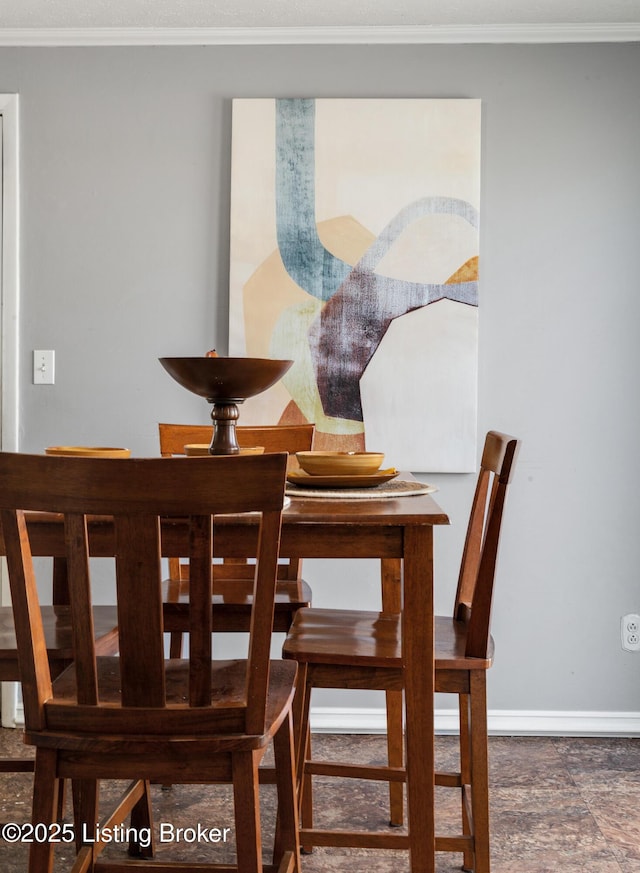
(398,531)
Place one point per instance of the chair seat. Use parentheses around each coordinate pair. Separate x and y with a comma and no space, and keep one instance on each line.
(57,632)
(239,592)
(371,639)
(153,728)
(232,601)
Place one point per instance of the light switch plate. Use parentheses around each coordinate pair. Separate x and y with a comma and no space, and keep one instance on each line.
(44,364)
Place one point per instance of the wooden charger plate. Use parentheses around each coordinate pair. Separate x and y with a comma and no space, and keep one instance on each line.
(306,480)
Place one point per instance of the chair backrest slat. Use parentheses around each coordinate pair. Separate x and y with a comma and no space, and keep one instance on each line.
(34,664)
(79,576)
(472,547)
(200,619)
(260,633)
(140,625)
(479,558)
(137,494)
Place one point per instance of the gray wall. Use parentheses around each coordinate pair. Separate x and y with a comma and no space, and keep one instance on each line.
(125,156)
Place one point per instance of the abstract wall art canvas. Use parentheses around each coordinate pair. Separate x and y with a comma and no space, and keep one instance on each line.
(354,252)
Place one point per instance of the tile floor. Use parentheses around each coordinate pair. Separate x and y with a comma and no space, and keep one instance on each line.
(558,804)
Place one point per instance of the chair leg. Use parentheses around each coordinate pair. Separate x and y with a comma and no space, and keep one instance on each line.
(246,798)
(301,720)
(306,798)
(395,755)
(62,799)
(287,831)
(45,806)
(479,771)
(465,772)
(302,735)
(85,808)
(141,822)
(175,645)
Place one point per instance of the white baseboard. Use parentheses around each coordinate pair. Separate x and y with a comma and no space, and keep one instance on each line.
(505,722)
(501,722)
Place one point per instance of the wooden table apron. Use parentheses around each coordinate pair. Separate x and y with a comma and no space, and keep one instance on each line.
(388,529)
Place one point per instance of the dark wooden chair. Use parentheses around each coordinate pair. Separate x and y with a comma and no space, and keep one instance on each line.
(139,716)
(357,649)
(233,583)
(56,622)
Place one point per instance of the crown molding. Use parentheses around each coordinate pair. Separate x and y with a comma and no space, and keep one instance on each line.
(334,35)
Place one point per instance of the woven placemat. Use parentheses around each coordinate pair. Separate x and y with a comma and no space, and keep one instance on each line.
(395,488)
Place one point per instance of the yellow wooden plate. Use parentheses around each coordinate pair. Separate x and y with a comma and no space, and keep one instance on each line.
(88,451)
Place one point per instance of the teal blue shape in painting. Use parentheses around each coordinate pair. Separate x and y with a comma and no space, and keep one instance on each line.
(306,260)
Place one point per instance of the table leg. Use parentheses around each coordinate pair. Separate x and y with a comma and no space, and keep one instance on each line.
(417,643)
(391,572)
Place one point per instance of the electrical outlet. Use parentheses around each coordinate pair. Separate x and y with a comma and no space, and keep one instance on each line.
(630,632)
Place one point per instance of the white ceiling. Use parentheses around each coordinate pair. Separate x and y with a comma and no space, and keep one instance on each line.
(40,16)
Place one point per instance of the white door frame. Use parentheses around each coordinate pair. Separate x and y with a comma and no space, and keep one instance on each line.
(9,333)
(9,281)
